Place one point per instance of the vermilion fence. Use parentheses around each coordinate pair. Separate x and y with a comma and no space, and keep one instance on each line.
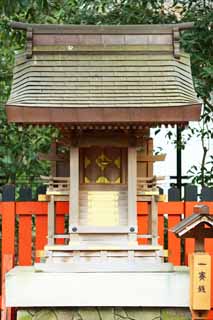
(24,232)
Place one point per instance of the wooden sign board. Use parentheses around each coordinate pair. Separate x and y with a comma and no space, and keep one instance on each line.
(200,280)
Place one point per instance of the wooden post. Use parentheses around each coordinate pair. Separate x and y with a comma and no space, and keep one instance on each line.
(53,163)
(7,264)
(132,193)
(74,193)
(179,160)
(200,244)
(8,246)
(200,288)
(51,220)
(154,221)
(150,152)
(51,156)
(8,228)
(200,315)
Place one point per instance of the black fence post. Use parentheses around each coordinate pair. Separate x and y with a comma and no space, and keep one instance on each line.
(174,194)
(160,190)
(206,194)
(9,192)
(25,194)
(40,190)
(190,192)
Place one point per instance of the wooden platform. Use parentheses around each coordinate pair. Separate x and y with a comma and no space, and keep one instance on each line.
(98,256)
(102,265)
(87,246)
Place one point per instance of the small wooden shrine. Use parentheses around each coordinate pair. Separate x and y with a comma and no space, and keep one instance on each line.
(104,87)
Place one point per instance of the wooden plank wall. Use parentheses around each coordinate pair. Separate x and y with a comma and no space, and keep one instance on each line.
(24,231)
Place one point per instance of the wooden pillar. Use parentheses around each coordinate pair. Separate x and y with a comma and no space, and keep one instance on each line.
(7,264)
(153,221)
(200,315)
(179,160)
(51,220)
(132,193)
(200,244)
(53,163)
(200,285)
(150,152)
(74,193)
(8,241)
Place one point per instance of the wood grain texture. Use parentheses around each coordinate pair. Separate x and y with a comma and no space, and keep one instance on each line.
(91,40)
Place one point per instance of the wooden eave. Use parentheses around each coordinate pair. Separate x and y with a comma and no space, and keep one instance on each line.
(152,116)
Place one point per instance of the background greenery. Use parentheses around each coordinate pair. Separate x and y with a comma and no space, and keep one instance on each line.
(19,146)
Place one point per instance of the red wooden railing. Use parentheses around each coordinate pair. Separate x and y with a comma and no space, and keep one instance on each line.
(24,231)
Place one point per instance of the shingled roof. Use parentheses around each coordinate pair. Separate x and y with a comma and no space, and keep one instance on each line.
(99,74)
(200,217)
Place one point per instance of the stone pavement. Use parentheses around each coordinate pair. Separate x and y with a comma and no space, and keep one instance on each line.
(118,313)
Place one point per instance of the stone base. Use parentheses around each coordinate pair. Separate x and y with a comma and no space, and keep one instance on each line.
(104,314)
(150,288)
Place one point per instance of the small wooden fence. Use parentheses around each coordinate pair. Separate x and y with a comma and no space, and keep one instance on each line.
(24,232)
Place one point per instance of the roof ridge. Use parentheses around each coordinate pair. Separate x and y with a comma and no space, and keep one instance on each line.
(101,28)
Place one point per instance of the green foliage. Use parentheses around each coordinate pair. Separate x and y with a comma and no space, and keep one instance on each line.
(20,145)
(19,150)
(199,43)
